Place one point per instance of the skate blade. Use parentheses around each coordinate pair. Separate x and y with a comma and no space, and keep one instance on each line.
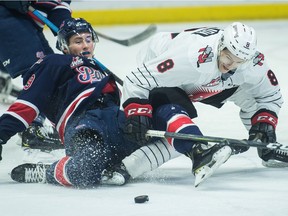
(219,157)
(274,164)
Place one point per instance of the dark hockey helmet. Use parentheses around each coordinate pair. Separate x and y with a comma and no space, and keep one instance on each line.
(70,27)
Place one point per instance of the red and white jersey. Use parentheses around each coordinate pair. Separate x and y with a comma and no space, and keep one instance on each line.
(188,60)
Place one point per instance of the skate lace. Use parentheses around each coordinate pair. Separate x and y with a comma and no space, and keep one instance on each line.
(46,132)
(282,152)
(35,175)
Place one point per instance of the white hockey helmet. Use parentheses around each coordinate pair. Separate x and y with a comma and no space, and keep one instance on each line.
(240,40)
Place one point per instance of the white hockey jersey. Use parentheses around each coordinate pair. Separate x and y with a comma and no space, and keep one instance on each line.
(188,60)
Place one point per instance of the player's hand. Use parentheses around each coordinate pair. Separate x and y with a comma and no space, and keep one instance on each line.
(263,130)
(138,120)
(263,126)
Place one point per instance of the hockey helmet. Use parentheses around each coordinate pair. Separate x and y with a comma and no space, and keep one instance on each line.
(240,40)
(70,27)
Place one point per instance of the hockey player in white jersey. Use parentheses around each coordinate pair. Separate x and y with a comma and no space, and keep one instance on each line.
(211,66)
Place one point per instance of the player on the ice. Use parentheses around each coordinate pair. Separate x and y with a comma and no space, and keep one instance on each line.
(208,65)
(82,100)
(25,43)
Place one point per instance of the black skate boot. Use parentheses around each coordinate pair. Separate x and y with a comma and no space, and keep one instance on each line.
(116,175)
(207,160)
(273,158)
(30,173)
(44,138)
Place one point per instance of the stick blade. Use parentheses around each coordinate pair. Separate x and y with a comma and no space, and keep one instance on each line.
(149,31)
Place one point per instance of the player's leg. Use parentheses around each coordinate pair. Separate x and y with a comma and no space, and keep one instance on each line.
(205,159)
(88,153)
(82,169)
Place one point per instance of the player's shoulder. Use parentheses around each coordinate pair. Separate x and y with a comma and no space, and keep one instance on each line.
(58,60)
(259,59)
(257,63)
(53,57)
(203,50)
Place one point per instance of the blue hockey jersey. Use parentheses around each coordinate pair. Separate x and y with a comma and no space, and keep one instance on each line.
(58,86)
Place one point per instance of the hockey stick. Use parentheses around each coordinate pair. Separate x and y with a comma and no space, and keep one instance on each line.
(219,140)
(150,30)
(55,29)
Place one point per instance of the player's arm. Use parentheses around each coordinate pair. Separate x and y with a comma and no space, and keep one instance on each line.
(56,11)
(33,99)
(262,113)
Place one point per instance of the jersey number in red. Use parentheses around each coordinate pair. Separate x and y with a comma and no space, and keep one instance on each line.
(165,65)
(272,78)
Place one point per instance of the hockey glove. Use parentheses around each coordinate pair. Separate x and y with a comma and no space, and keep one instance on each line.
(138,120)
(263,129)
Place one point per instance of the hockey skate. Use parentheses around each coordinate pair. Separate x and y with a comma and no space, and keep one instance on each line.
(117,175)
(45,138)
(30,173)
(8,91)
(276,159)
(41,144)
(207,160)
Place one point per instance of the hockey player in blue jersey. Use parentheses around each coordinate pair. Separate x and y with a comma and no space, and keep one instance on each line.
(81,100)
(24,44)
(23,47)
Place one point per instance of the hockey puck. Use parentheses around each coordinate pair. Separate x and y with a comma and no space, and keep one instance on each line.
(141,199)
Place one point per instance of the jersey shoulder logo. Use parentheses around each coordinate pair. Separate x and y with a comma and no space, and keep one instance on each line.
(76,62)
(258,59)
(205,56)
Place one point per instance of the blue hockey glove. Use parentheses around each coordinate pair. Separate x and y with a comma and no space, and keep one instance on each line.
(138,120)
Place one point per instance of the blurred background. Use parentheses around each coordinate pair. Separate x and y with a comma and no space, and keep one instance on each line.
(111,12)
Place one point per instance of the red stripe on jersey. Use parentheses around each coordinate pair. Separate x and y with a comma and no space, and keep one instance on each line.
(24,111)
(69,111)
(60,172)
(35,18)
(110,87)
(176,122)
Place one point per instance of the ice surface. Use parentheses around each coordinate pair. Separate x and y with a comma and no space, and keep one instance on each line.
(241,187)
